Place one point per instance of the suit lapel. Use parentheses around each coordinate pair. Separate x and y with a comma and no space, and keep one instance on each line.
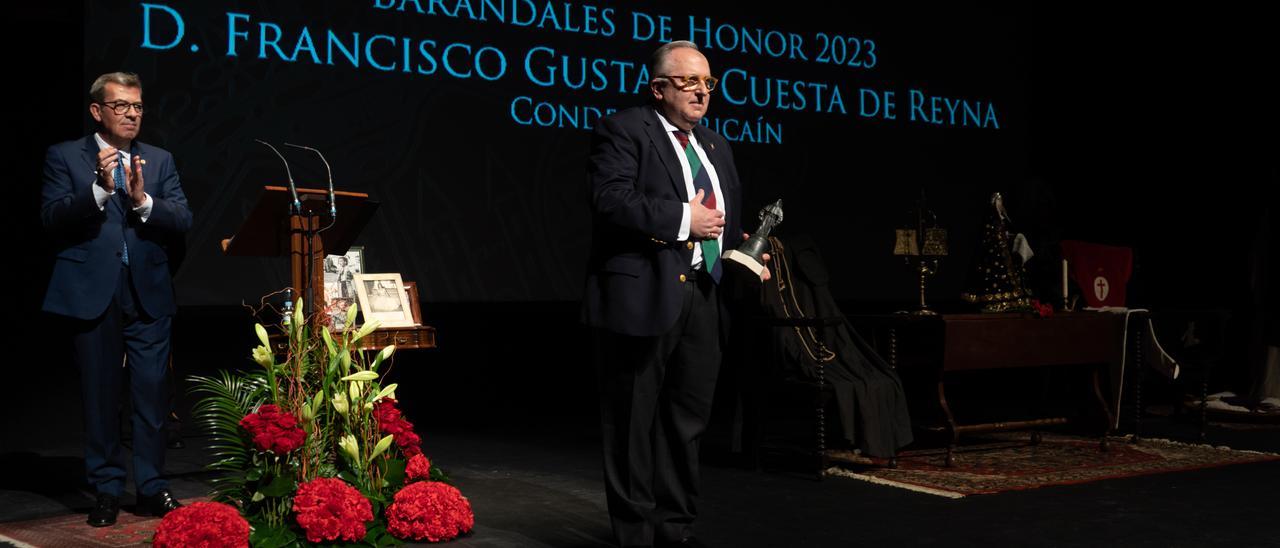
(89,153)
(666,153)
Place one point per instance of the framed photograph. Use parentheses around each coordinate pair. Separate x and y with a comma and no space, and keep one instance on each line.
(383,297)
(411,289)
(340,285)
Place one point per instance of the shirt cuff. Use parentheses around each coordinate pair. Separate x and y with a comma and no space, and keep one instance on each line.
(100,195)
(144,210)
(686,219)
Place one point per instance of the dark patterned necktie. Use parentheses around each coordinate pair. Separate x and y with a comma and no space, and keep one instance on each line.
(702,181)
(121,186)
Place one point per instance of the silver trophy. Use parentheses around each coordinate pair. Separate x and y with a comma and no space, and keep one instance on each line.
(749,254)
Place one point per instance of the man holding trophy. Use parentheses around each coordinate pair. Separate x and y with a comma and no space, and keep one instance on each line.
(665,202)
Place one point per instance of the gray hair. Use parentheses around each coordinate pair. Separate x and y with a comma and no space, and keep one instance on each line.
(97,92)
(660,54)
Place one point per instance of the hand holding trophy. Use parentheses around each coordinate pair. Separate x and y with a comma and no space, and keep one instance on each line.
(750,254)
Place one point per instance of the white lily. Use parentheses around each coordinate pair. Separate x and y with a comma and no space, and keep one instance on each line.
(388,392)
(366,329)
(297,314)
(262,334)
(386,353)
(351,315)
(383,444)
(328,341)
(263,356)
(349,445)
(360,376)
(340,403)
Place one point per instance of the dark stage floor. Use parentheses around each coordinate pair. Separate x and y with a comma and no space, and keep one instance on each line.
(539,485)
(517,434)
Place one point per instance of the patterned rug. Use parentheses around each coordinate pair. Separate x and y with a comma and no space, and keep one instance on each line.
(71,531)
(1008,463)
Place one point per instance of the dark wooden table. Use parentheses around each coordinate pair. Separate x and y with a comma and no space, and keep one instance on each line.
(405,338)
(934,346)
(415,337)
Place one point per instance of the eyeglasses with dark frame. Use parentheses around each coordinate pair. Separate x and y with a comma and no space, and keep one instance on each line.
(690,82)
(121,108)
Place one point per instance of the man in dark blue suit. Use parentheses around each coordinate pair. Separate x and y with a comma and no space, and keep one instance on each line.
(665,199)
(114,208)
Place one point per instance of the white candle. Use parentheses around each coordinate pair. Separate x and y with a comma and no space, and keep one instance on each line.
(1064,281)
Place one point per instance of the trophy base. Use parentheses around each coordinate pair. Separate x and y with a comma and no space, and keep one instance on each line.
(743,260)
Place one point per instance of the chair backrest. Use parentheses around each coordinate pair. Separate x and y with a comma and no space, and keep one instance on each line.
(1100,271)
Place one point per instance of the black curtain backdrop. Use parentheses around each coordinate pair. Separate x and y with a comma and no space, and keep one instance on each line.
(479,205)
(1148,129)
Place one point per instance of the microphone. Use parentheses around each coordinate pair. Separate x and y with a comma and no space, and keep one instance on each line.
(333,204)
(293,189)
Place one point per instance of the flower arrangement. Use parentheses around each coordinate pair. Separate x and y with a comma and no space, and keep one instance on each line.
(273,431)
(419,468)
(431,511)
(314,449)
(329,509)
(205,524)
(390,421)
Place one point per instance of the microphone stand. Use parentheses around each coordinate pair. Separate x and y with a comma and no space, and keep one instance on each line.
(333,203)
(302,226)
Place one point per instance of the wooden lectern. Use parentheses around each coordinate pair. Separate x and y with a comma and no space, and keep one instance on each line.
(273,230)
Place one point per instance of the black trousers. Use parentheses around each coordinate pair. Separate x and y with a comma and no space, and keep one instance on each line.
(655,402)
(123,336)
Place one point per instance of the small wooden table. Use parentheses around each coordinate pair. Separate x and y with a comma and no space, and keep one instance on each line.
(415,337)
(946,343)
(405,338)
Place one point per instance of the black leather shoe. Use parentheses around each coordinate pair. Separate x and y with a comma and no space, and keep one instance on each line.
(158,504)
(104,510)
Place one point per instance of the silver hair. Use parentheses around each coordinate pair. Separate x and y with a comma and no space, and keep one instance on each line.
(660,54)
(97,92)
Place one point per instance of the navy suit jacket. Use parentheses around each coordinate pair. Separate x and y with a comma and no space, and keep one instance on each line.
(637,193)
(89,241)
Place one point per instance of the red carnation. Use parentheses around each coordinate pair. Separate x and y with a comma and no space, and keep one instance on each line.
(273,430)
(419,468)
(203,524)
(392,422)
(328,509)
(395,427)
(409,443)
(429,510)
(385,411)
